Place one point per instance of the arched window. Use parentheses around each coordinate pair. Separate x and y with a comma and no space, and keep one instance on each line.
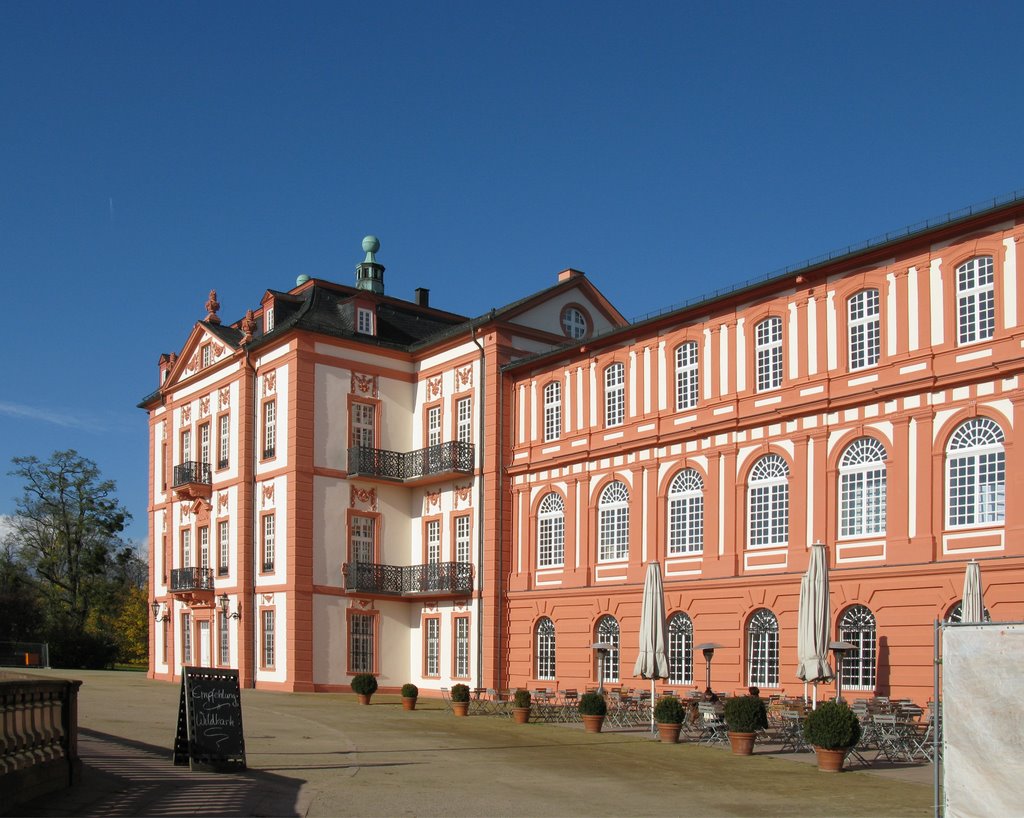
(615,395)
(857,626)
(768,341)
(545,642)
(551,531)
(552,411)
(864,330)
(608,632)
(768,503)
(763,649)
(687,376)
(975,474)
(613,523)
(862,489)
(686,513)
(975,299)
(955,613)
(680,649)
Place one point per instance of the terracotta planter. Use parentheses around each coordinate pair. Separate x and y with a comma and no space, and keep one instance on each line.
(742,743)
(521,714)
(831,761)
(408,702)
(669,733)
(592,724)
(460,708)
(364,698)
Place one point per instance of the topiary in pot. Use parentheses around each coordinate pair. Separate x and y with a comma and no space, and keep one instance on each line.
(521,706)
(833,729)
(364,685)
(668,715)
(409,695)
(744,716)
(592,709)
(460,699)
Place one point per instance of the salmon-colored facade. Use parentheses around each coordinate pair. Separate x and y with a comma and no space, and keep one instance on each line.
(372,484)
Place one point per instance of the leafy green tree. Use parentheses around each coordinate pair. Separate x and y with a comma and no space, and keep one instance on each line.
(21,614)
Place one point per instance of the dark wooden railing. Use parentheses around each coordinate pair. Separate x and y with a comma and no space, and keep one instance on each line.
(192,471)
(409,580)
(444,458)
(191,579)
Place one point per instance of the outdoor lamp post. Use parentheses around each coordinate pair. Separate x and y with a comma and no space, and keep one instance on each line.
(223,601)
(840,649)
(603,649)
(708,649)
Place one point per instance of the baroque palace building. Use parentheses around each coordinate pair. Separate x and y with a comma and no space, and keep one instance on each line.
(344,481)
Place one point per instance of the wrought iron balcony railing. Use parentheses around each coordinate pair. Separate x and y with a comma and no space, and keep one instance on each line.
(192,471)
(191,579)
(444,458)
(409,580)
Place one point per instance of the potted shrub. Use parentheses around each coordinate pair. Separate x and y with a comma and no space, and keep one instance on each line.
(744,716)
(364,685)
(460,699)
(409,695)
(833,730)
(521,706)
(592,709)
(668,715)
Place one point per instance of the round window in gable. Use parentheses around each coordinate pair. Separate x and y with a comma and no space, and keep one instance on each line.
(575,323)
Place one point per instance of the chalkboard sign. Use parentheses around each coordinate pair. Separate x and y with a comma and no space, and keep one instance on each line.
(209,733)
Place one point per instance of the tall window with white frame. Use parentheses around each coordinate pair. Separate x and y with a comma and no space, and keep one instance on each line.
(364,321)
(204,444)
(186,445)
(269,657)
(461,647)
(687,376)
(768,346)
(544,655)
(615,395)
(976,475)
(862,489)
(204,547)
(223,547)
(363,548)
(432,648)
(608,633)
(360,643)
(462,538)
(223,639)
(680,649)
(224,441)
(768,503)
(975,298)
(686,513)
(364,417)
(433,542)
(551,531)
(269,533)
(186,548)
(763,649)
(464,420)
(864,329)
(269,429)
(434,426)
(857,626)
(613,523)
(552,411)
(186,639)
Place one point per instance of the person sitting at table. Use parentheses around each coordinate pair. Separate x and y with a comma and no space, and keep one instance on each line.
(754,691)
(710,695)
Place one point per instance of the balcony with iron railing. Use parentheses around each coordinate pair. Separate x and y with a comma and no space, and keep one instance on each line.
(193,586)
(193,479)
(432,464)
(435,579)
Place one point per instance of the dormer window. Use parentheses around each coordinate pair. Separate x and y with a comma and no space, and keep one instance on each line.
(574,323)
(364,321)
(268,319)
(207,354)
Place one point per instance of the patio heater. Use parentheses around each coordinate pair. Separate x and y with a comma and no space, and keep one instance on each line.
(708,649)
(603,649)
(840,649)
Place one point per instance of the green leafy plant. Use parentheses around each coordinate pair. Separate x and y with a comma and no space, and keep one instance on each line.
(410,691)
(592,704)
(833,726)
(668,710)
(745,714)
(364,684)
(522,698)
(460,693)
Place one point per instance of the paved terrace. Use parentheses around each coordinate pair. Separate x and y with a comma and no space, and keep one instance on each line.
(325,755)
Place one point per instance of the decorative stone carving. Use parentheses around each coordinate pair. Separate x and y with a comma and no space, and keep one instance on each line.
(204,407)
(212,305)
(267,493)
(186,413)
(433,387)
(270,382)
(364,498)
(463,494)
(222,503)
(248,327)
(464,377)
(224,397)
(364,384)
(431,499)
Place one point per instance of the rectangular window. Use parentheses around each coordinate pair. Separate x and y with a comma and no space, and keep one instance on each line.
(186,548)
(433,541)
(363,425)
(268,542)
(223,639)
(186,639)
(687,380)
(186,446)
(204,547)
(615,395)
(464,420)
(461,669)
(364,321)
(769,354)
(268,639)
(224,441)
(207,355)
(975,285)
(268,319)
(362,542)
(360,643)
(864,329)
(223,547)
(269,428)
(552,411)
(462,544)
(432,647)
(434,426)
(204,443)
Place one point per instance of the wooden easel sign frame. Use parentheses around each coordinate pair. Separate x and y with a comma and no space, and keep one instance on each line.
(209,735)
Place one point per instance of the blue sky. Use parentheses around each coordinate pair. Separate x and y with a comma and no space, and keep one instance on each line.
(152,151)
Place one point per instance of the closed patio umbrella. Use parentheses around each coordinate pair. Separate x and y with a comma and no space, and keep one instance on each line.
(651,661)
(973,606)
(813,622)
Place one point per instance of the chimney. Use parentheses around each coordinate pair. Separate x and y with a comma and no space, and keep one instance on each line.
(422,297)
